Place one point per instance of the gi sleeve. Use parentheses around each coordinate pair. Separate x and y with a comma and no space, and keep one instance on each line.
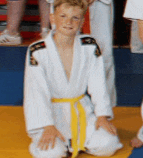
(37,98)
(106,1)
(134,10)
(97,88)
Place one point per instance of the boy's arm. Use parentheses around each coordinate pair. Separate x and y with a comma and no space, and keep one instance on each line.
(97,88)
(99,95)
(37,99)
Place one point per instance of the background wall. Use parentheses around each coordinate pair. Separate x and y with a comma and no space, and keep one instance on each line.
(30,26)
(129,67)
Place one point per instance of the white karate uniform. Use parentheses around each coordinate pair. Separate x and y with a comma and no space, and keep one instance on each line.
(134,9)
(47,79)
(101,26)
(134,12)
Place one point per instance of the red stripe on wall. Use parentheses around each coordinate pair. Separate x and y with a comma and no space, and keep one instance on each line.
(30,35)
(30,2)
(86,25)
(25,18)
(3,2)
(3,17)
(31,18)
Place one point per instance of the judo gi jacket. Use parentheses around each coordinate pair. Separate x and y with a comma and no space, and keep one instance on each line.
(45,78)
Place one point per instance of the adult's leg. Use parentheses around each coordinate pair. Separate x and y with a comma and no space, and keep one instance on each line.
(101,23)
(15,12)
(11,36)
(44,14)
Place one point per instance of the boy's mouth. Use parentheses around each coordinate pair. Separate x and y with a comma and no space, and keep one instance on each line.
(68,28)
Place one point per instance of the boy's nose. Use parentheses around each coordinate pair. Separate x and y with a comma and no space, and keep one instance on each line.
(69,21)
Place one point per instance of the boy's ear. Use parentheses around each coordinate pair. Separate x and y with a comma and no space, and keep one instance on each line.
(52,19)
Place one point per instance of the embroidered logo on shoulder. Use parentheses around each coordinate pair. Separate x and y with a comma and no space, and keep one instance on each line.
(34,47)
(97,52)
(90,40)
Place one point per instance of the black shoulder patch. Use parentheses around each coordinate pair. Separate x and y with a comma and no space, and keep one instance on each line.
(33,48)
(97,52)
(90,40)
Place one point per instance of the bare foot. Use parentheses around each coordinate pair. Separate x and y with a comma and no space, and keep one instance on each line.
(136,143)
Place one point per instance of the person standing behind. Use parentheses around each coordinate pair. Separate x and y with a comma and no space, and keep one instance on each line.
(11,36)
(134,12)
(101,28)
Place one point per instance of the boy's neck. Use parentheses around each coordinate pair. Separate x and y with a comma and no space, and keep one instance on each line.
(64,41)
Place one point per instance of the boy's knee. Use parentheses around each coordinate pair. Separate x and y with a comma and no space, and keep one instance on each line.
(110,146)
(103,144)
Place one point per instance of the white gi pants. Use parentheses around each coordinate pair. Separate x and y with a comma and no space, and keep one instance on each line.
(101,28)
(99,143)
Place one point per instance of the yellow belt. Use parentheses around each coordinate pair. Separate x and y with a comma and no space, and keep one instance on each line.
(75,119)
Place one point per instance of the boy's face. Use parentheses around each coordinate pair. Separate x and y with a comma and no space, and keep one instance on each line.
(68,19)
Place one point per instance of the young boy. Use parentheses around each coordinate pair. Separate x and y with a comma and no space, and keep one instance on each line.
(134,12)
(59,70)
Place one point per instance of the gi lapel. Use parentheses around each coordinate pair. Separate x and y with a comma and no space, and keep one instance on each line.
(58,72)
(74,77)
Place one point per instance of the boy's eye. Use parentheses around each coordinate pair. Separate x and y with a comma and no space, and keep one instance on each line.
(62,16)
(76,18)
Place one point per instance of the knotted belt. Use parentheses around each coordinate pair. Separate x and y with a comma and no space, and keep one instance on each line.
(78,121)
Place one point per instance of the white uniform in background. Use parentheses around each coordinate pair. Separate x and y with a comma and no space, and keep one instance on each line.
(45,79)
(134,11)
(101,26)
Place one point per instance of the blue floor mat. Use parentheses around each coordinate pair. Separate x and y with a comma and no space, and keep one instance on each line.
(128,66)
(137,153)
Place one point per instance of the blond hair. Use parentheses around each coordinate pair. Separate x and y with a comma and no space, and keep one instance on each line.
(80,3)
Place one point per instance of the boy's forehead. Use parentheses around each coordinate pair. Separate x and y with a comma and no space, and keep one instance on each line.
(66,7)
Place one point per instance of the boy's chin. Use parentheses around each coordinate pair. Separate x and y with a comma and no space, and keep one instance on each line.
(67,33)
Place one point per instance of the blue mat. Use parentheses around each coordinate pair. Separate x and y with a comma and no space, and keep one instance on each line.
(137,153)
(12,61)
(129,76)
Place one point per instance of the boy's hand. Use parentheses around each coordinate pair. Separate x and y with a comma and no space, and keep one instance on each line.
(49,137)
(107,125)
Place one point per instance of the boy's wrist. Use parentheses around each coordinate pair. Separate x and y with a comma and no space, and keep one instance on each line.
(103,117)
(47,127)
